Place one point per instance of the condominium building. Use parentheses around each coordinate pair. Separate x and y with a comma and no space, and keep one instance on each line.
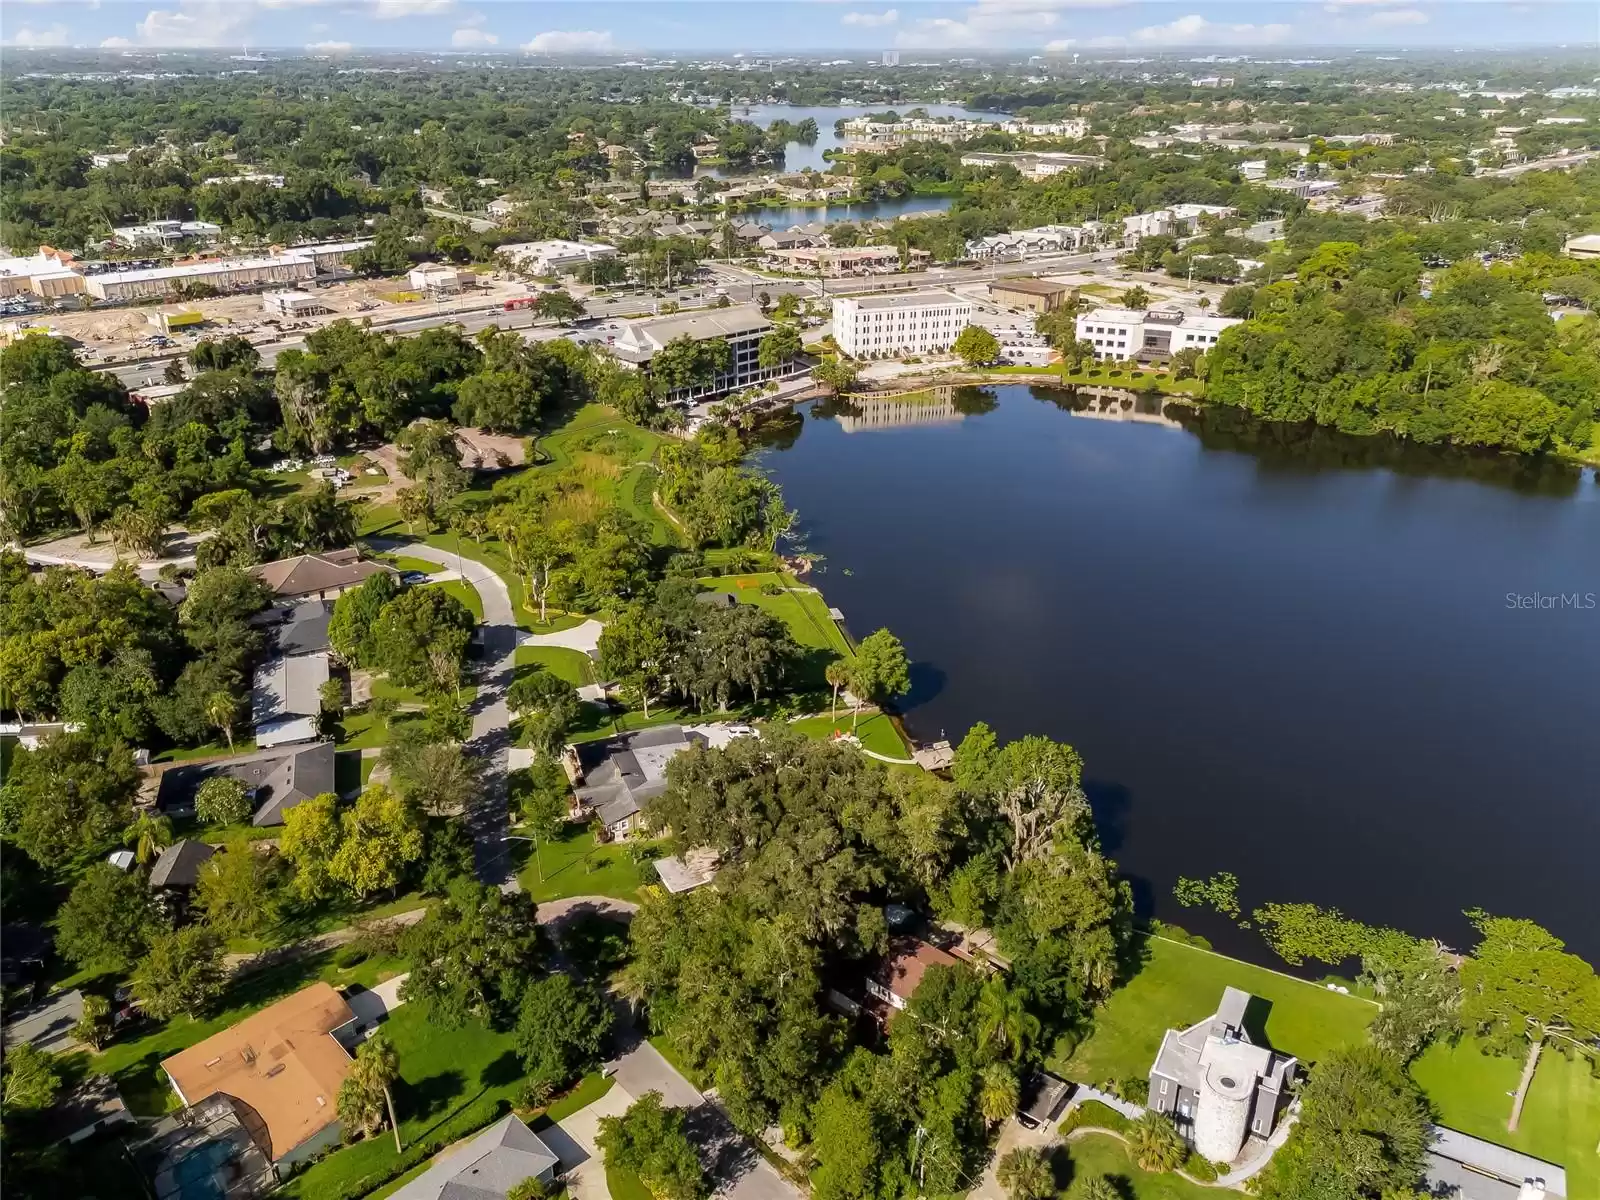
(835,261)
(1157,333)
(1032,164)
(742,326)
(892,326)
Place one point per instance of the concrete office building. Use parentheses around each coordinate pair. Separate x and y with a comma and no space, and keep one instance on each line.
(1157,333)
(893,326)
(227,275)
(742,326)
(554,256)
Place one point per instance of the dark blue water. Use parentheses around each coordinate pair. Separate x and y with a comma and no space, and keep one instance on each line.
(798,156)
(1281,652)
(870,210)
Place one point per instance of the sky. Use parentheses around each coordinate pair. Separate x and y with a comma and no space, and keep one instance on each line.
(622,27)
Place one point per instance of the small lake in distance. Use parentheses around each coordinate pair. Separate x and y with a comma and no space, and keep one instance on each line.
(1282,652)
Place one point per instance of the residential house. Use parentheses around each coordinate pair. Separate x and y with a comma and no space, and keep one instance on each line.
(176,874)
(286,699)
(786,239)
(898,976)
(94,1105)
(300,628)
(325,576)
(487,1167)
(1219,1087)
(616,779)
(276,779)
(281,1066)
(504,206)
(695,869)
(1032,164)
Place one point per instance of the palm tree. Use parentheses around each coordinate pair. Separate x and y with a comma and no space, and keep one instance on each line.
(1004,1020)
(1155,1143)
(150,835)
(364,1095)
(220,708)
(838,676)
(1025,1174)
(998,1093)
(1101,1188)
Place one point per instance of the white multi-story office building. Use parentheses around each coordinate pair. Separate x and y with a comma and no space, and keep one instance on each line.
(893,326)
(1158,333)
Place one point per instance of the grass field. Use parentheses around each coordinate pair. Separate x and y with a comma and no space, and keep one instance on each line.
(135,1063)
(403,562)
(1095,1155)
(876,732)
(1179,985)
(1560,1121)
(452,1082)
(574,866)
(572,665)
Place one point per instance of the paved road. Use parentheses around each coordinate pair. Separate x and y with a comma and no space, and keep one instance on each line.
(491,719)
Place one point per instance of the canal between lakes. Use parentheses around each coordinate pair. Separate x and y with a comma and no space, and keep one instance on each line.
(1281,652)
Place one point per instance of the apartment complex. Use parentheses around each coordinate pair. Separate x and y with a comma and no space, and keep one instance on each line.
(742,326)
(891,326)
(1157,333)
(1032,164)
(1176,221)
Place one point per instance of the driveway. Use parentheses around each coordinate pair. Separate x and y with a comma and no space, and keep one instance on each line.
(491,720)
(585,637)
(1012,1135)
(642,1069)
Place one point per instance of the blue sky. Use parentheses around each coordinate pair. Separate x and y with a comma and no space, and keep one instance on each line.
(618,27)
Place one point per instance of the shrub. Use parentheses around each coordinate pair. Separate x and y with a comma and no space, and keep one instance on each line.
(1200,1168)
(350,954)
(771,589)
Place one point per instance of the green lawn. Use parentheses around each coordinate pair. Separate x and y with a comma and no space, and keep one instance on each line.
(574,866)
(877,732)
(1180,984)
(589,1089)
(403,562)
(320,917)
(452,1082)
(1560,1121)
(625,1185)
(214,749)
(805,612)
(1094,1155)
(572,665)
(466,593)
(135,1063)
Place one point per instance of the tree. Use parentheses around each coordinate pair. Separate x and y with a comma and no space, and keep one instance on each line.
(1025,1174)
(70,795)
(1363,1132)
(834,374)
(548,705)
(93,1028)
(1155,1143)
(558,306)
(976,346)
(309,841)
(837,674)
(562,1029)
(182,973)
(633,647)
(1137,297)
(998,1093)
(355,615)
(380,836)
(1004,1022)
(778,346)
(364,1094)
(138,531)
(239,890)
(1420,989)
(437,776)
(222,709)
(223,800)
(1521,988)
(1186,362)
(225,354)
(108,919)
(31,1079)
(650,1140)
(415,622)
(472,956)
(1101,1187)
(150,834)
(544,804)
(880,671)
(531,1188)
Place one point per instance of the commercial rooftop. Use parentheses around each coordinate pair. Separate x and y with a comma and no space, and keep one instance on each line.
(1030,287)
(653,333)
(1459,1166)
(906,299)
(282,1062)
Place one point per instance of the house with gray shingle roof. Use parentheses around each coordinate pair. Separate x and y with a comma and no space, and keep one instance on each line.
(487,1167)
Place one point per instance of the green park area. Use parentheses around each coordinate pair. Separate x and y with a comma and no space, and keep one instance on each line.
(1093,1155)
(574,864)
(1177,985)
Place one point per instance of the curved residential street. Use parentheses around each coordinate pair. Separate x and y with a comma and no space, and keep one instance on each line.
(491,720)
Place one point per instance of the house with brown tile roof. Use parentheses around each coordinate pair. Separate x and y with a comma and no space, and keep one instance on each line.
(899,975)
(324,576)
(283,1065)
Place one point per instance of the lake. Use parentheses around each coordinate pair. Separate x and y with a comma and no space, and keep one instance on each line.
(798,156)
(1322,663)
(869,210)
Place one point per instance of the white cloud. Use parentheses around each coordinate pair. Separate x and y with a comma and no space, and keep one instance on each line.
(1194,30)
(194,23)
(472,39)
(991,22)
(868,20)
(1395,18)
(390,10)
(1059,46)
(329,48)
(571,41)
(55,35)
(116,43)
